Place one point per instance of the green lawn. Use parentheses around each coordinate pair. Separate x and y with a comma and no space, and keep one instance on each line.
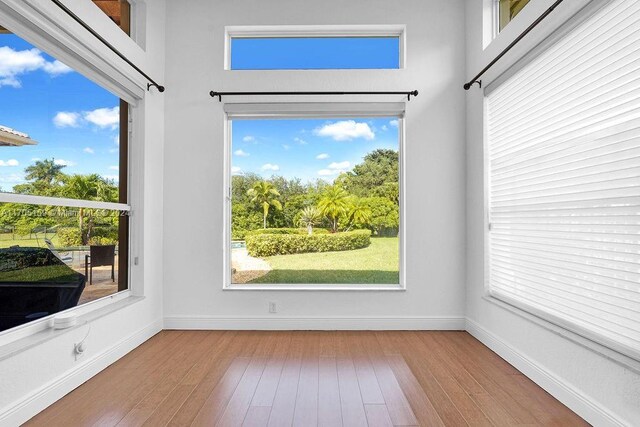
(8,240)
(377,263)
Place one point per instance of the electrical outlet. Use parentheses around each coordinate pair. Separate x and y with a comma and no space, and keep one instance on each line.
(273,307)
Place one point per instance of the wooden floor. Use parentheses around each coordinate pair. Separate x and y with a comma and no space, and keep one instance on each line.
(234,378)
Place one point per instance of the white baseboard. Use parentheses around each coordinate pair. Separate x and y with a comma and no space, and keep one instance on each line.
(315,323)
(27,407)
(571,397)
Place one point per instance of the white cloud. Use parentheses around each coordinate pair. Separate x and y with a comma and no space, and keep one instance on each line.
(104,117)
(235,170)
(56,68)
(335,168)
(14,178)
(385,128)
(340,165)
(322,156)
(116,140)
(10,162)
(346,130)
(285,146)
(300,141)
(62,162)
(65,119)
(14,63)
(35,159)
(394,123)
(113,150)
(270,167)
(248,138)
(89,150)
(114,168)
(241,153)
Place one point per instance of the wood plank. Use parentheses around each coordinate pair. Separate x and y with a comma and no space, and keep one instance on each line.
(369,387)
(350,399)
(378,416)
(266,390)
(257,416)
(284,401)
(306,406)
(329,406)
(241,399)
(215,405)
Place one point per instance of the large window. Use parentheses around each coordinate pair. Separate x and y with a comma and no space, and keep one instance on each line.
(564,180)
(315,201)
(63,186)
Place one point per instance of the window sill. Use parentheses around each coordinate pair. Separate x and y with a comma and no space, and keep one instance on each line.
(607,352)
(21,338)
(314,287)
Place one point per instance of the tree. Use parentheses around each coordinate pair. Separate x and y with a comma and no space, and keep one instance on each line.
(88,187)
(309,217)
(377,175)
(45,171)
(333,204)
(359,213)
(265,194)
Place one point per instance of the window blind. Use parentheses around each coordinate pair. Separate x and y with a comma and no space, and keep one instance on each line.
(563,152)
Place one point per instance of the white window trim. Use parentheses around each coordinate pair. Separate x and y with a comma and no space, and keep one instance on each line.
(45,26)
(563,328)
(314,31)
(298,110)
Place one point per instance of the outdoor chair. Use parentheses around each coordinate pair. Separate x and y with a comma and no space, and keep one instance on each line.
(100,256)
(66,257)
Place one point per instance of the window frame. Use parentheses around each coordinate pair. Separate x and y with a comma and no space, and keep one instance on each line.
(311,110)
(314,31)
(50,30)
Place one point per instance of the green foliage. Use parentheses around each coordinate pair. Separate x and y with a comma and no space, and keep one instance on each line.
(264,194)
(377,176)
(69,237)
(284,231)
(309,217)
(385,216)
(262,245)
(334,204)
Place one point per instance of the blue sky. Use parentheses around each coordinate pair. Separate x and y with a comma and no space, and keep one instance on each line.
(315,53)
(308,148)
(73,119)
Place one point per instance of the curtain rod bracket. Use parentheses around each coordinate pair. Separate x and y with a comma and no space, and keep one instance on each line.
(157,86)
(467,86)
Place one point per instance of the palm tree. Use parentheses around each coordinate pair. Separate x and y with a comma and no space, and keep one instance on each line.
(333,204)
(359,213)
(265,194)
(309,217)
(46,171)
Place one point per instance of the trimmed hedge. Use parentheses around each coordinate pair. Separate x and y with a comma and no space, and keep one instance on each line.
(262,245)
(285,231)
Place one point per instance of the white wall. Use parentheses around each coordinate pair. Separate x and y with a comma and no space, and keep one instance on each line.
(193,222)
(602,391)
(36,377)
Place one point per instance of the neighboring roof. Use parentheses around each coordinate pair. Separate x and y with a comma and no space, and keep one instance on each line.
(12,137)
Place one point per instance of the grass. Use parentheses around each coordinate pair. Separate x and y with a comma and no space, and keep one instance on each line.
(7,240)
(47,273)
(376,264)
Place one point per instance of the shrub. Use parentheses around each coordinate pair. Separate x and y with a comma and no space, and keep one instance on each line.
(262,245)
(285,231)
(69,237)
